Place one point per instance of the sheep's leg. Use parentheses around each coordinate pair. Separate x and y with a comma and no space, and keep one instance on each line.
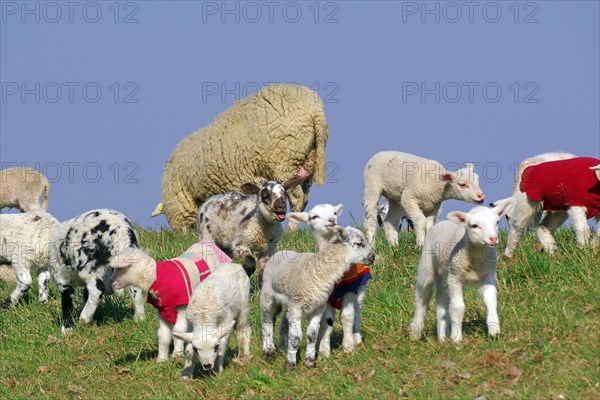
(23,276)
(312,333)
(269,312)
(95,289)
(391,224)
(294,317)
(370,200)
(223,343)
(442,308)
(137,299)
(164,339)
(325,330)
(525,213)
(488,293)
(580,224)
(43,282)
(181,325)
(357,315)
(347,314)
(456,308)
(423,292)
(66,303)
(550,222)
(244,332)
(190,361)
(284,329)
(417,217)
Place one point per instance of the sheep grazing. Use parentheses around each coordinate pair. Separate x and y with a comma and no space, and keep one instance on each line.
(169,285)
(22,188)
(24,240)
(348,294)
(81,252)
(414,186)
(247,226)
(549,193)
(270,135)
(457,252)
(219,304)
(303,282)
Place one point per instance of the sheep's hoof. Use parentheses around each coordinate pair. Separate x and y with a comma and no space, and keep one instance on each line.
(324,353)
(161,360)
(290,365)
(66,331)
(6,303)
(270,352)
(310,364)
(185,377)
(138,318)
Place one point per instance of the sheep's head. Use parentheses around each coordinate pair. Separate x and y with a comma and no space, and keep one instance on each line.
(321,219)
(359,250)
(206,341)
(481,223)
(464,185)
(272,197)
(130,268)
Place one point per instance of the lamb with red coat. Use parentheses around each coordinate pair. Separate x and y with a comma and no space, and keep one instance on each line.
(572,185)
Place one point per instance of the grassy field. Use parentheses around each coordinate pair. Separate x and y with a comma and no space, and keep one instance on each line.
(549,347)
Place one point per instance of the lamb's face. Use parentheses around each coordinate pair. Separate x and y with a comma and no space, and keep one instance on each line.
(323,218)
(360,251)
(205,343)
(482,226)
(465,185)
(273,200)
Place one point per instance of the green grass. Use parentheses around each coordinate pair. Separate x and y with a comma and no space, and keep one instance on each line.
(549,347)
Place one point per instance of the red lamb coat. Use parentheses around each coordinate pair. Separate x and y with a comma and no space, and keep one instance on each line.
(564,183)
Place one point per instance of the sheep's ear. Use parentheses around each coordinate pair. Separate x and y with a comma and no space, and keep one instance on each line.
(503,206)
(126,258)
(250,188)
(185,336)
(225,329)
(292,182)
(458,216)
(449,176)
(298,217)
(338,209)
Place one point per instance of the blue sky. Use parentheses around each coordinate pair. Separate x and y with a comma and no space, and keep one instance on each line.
(97,94)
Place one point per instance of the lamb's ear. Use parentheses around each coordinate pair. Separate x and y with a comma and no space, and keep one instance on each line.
(225,329)
(292,183)
(250,188)
(503,206)
(126,258)
(185,336)
(458,216)
(298,217)
(449,176)
(338,209)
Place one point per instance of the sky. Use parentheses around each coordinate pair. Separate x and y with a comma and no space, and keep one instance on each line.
(96,95)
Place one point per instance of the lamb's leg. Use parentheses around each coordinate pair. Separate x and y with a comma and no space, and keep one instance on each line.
(181,325)
(23,276)
(580,224)
(66,303)
(357,314)
(488,293)
(550,222)
(370,200)
(137,299)
(190,361)
(269,312)
(95,289)
(391,224)
(596,241)
(325,330)
(312,333)
(164,339)
(525,213)
(284,329)
(347,314)
(456,308)
(43,282)
(244,332)
(423,292)
(294,317)
(223,343)
(417,217)
(442,308)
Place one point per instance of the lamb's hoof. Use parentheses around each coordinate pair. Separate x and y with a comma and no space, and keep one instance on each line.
(242,361)
(161,360)
(290,365)
(358,340)
(66,331)
(310,364)
(538,247)
(6,303)
(185,377)
(324,353)
(494,331)
(270,352)
(138,318)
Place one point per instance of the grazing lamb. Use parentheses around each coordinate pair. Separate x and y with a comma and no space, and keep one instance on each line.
(414,186)
(81,252)
(247,226)
(457,252)
(348,294)
(169,285)
(270,135)
(22,188)
(570,185)
(220,303)
(303,282)
(24,240)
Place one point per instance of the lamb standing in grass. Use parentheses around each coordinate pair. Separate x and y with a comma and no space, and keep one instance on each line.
(24,240)
(302,282)
(457,252)
(247,226)
(169,285)
(219,304)
(348,294)
(415,186)
(81,253)
(270,135)
(22,188)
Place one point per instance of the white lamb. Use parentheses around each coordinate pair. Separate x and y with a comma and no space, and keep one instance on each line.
(220,303)
(302,282)
(169,284)
(321,220)
(457,252)
(24,240)
(414,186)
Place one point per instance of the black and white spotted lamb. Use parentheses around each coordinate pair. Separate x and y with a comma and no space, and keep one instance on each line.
(80,254)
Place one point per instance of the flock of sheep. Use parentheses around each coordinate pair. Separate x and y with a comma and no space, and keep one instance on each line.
(271,146)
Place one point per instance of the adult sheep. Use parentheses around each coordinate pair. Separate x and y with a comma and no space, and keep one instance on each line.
(279,132)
